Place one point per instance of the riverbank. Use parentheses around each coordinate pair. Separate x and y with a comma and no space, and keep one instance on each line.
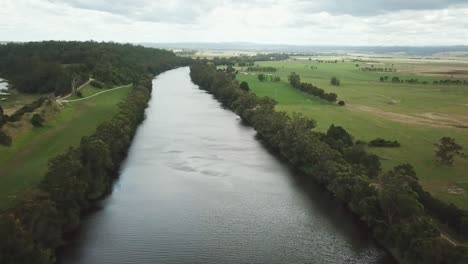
(391,209)
(198,187)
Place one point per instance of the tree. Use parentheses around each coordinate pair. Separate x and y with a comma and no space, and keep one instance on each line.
(3,118)
(4,139)
(37,120)
(244,86)
(261,77)
(382,79)
(294,79)
(341,103)
(397,197)
(335,81)
(446,150)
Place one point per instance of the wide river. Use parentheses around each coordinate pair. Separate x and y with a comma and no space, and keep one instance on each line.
(198,187)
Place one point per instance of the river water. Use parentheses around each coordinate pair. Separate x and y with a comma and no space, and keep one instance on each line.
(197,187)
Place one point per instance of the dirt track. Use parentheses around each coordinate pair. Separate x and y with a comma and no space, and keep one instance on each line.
(427,119)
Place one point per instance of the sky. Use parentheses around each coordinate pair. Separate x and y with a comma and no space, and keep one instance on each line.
(300,22)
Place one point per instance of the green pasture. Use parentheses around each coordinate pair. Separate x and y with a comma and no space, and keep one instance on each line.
(23,164)
(363,89)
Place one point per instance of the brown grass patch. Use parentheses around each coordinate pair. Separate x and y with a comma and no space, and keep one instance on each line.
(427,119)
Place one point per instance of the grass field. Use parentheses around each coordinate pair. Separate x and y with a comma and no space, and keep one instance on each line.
(416,115)
(24,163)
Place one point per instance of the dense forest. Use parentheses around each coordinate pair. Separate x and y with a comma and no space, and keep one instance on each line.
(34,227)
(393,203)
(57,66)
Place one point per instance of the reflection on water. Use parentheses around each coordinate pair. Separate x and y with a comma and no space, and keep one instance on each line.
(197,187)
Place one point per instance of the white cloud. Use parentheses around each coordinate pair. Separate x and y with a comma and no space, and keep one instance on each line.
(417,22)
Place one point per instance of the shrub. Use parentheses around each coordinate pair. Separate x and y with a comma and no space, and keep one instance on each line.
(37,120)
(341,103)
(4,139)
(379,142)
(335,81)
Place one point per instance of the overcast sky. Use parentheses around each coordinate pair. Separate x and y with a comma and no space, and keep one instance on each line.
(312,22)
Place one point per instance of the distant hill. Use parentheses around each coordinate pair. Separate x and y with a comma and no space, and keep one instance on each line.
(247,46)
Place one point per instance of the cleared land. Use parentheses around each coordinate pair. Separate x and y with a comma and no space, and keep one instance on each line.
(25,162)
(417,115)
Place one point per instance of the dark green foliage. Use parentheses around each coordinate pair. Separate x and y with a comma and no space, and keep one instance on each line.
(245,60)
(37,120)
(79,94)
(379,142)
(32,230)
(295,81)
(16,116)
(446,150)
(5,139)
(244,86)
(261,69)
(393,208)
(3,118)
(341,103)
(338,138)
(335,81)
(261,77)
(43,67)
(97,84)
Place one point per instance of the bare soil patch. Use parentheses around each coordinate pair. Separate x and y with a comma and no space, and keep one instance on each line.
(452,72)
(427,119)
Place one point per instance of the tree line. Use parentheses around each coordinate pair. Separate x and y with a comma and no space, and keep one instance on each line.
(392,204)
(57,66)
(295,81)
(34,227)
(245,60)
(261,69)
(396,79)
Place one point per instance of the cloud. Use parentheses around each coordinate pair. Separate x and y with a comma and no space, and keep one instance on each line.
(172,11)
(373,7)
(303,22)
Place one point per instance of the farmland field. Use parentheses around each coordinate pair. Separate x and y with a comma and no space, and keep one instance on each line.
(415,114)
(25,161)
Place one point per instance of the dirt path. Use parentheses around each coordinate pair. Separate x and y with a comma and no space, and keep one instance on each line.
(443,236)
(62,99)
(96,94)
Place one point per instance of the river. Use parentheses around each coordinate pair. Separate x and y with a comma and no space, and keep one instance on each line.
(198,187)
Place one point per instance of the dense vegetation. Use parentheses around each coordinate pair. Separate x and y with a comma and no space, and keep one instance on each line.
(380,142)
(261,69)
(295,81)
(33,228)
(393,204)
(249,60)
(56,66)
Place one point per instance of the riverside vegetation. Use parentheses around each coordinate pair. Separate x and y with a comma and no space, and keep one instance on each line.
(33,227)
(393,204)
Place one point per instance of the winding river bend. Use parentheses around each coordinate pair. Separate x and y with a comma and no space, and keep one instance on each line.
(197,187)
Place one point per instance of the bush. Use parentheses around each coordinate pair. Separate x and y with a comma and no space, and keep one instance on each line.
(379,142)
(335,81)
(37,120)
(341,103)
(244,86)
(79,94)
(4,139)
(97,84)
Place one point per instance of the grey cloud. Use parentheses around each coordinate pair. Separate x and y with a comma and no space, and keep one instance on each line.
(374,7)
(172,11)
